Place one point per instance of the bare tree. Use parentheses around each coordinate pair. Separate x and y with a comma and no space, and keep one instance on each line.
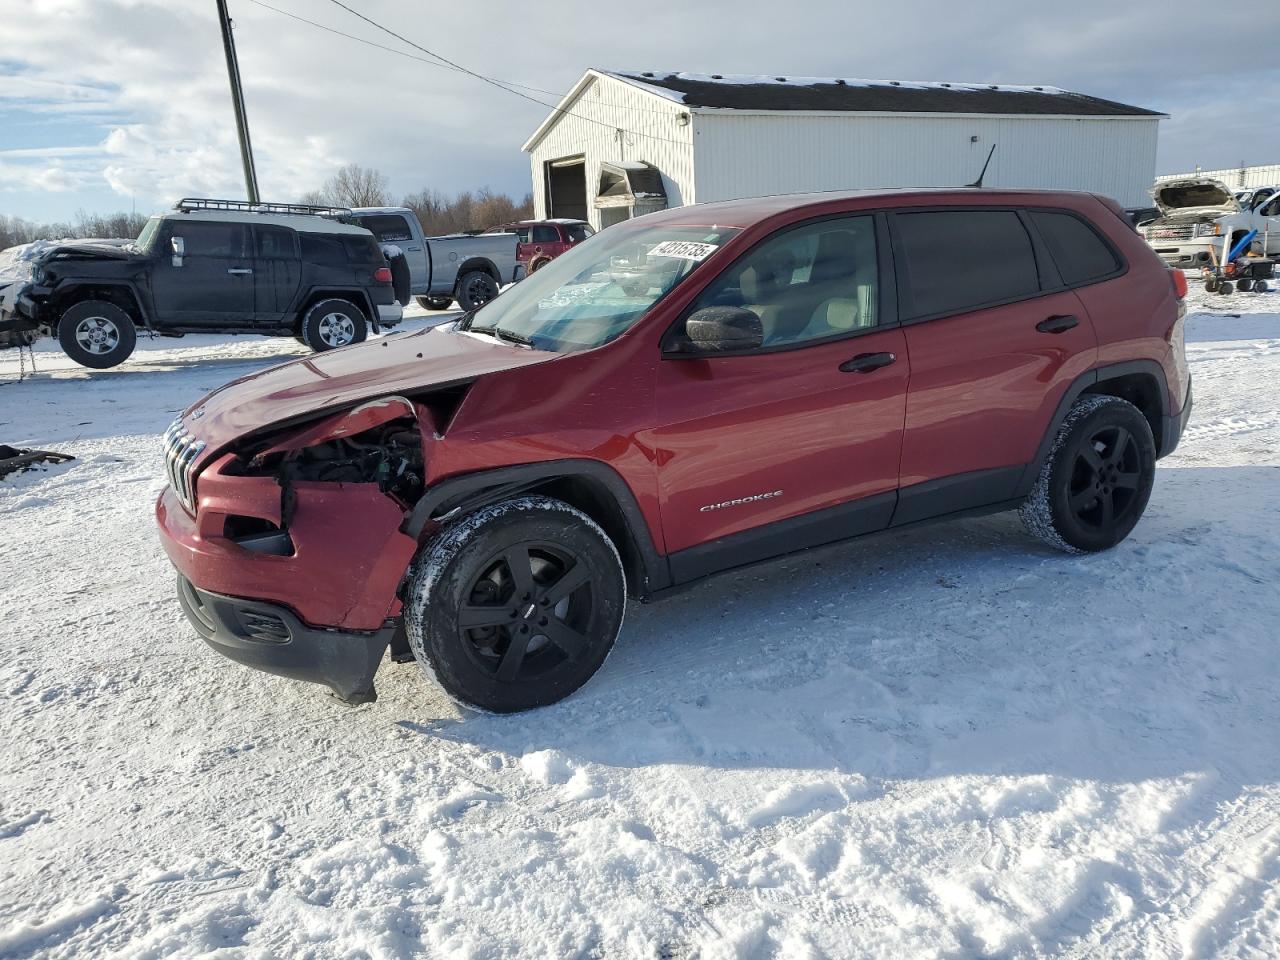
(352,186)
(467,211)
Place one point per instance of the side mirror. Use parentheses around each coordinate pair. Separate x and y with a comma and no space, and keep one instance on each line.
(179,250)
(722,329)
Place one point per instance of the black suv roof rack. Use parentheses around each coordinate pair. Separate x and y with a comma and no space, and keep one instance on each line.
(187,204)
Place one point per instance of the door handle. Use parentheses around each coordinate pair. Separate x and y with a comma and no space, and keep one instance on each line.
(239,271)
(1058,324)
(866,362)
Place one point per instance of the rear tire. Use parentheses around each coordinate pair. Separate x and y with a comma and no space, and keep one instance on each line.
(475,289)
(1261,286)
(516,605)
(1226,287)
(1097,478)
(329,324)
(538,264)
(435,303)
(97,334)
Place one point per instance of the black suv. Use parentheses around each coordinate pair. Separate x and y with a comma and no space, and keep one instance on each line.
(212,266)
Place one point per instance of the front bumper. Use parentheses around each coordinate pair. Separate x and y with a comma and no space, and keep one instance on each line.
(270,638)
(18,311)
(1187,254)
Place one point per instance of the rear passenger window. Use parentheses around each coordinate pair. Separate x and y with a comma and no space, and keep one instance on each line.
(545,235)
(1081,255)
(275,243)
(958,260)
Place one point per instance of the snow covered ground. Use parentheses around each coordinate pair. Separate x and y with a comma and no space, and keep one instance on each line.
(947,742)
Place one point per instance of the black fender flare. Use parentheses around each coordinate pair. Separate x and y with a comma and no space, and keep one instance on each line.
(361,299)
(465,493)
(66,290)
(1081,384)
(483,264)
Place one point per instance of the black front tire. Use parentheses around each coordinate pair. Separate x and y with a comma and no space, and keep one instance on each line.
(97,334)
(475,289)
(1097,478)
(517,605)
(333,323)
(435,303)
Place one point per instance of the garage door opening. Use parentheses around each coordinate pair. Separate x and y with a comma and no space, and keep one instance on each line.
(567,188)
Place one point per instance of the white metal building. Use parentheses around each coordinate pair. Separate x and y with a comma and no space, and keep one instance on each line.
(622,144)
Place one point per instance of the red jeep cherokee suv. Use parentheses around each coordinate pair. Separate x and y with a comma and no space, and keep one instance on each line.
(692,391)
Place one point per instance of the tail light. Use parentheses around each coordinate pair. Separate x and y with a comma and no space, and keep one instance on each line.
(1179,283)
(382,275)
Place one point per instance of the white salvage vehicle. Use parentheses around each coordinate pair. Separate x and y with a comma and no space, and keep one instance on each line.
(1198,214)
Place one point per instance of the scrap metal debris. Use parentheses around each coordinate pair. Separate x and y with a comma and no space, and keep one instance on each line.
(13,460)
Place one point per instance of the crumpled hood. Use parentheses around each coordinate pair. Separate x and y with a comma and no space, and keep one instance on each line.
(402,364)
(87,251)
(1194,197)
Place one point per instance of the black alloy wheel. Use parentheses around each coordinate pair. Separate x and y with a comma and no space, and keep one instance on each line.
(1095,483)
(1105,478)
(527,612)
(516,605)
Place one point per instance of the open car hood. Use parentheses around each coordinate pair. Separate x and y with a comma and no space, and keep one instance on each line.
(406,364)
(1194,196)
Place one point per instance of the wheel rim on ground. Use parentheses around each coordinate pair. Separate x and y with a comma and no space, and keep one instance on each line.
(336,329)
(1105,478)
(527,612)
(97,335)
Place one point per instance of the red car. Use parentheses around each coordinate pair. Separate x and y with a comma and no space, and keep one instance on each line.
(538,242)
(693,391)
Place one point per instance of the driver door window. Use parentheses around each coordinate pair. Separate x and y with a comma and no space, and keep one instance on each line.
(813,283)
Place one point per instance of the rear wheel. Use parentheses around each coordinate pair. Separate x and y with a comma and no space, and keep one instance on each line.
(516,605)
(97,334)
(475,289)
(329,324)
(1097,479)
(538,264)
(1244,285)
(1225,287)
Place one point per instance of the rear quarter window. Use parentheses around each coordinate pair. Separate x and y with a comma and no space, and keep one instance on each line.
(1081,255)
(959,260)
(339,251)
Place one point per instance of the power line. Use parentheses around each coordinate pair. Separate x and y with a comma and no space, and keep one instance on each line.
(445,66)
(497,83)
(400,53)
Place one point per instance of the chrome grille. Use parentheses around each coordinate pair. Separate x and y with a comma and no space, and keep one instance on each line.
(1179,231)
(181,450)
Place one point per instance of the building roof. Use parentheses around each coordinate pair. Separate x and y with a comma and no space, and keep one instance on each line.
(828,94)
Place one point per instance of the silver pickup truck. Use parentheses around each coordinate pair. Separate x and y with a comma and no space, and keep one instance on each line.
(468,269)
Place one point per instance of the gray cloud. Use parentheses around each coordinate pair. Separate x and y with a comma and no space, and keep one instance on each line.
(141,83)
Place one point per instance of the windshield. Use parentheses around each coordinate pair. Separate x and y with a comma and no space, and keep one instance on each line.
(602,286)
(148,235)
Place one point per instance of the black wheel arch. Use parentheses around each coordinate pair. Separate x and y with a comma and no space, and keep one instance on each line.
(589,485)
(483,265)
(359,297)
(122,293)
(1140,382)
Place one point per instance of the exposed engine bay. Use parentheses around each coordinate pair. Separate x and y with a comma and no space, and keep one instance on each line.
(389,455)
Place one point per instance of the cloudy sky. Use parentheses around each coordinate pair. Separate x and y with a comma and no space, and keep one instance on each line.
(109,103)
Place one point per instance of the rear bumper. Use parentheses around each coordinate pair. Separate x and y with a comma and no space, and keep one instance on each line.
(270,638)
(389,314)
(1174,424)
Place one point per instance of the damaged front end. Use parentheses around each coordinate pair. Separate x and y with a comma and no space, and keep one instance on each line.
(307,522)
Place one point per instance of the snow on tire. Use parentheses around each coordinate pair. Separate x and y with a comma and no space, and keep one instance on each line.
(516,605)
(1096,479)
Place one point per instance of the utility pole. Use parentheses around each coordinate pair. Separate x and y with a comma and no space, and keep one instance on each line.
(237,103)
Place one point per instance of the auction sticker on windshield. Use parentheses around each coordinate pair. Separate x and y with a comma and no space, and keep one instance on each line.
(683,250)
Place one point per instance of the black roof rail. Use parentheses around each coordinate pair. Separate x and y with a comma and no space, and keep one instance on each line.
(187,204)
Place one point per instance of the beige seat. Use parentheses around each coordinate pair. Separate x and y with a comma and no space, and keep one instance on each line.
(855,306)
